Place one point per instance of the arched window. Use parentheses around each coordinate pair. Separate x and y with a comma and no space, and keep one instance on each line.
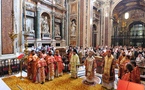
(137,30)
(137,34)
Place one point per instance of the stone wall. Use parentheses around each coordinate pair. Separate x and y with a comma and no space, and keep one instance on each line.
(6,26)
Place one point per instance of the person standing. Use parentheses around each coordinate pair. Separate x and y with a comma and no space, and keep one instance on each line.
(50,66)
(74,62)
(30,60)
(90,66)
(129,69)
(140,62)
(120,61)
(44,54)
(59,64)
(108,66)
(135,74)
(40,67)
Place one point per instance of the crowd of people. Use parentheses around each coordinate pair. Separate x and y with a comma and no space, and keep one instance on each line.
(44,66)
(126,59)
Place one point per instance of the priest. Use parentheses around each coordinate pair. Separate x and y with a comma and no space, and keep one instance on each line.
(90,66)
(59,64)
(74,63)
(50,60)
(40,67)
(31,64)
(108,66)
(135,74)
(127,75)
(120,63)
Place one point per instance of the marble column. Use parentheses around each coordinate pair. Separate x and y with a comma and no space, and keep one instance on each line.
(0,28)
(53,28)
(63,28)
(63,41)
(38,24)
(53,23)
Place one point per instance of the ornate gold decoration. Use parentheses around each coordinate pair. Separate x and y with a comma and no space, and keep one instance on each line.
(12,35)
(123,24)
(26,36)
(9,68)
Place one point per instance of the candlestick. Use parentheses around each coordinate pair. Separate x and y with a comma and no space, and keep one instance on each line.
(9,68)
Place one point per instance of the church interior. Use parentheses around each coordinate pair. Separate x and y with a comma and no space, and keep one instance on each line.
(72,44)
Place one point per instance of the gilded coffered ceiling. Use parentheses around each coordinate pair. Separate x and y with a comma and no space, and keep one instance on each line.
(127,5)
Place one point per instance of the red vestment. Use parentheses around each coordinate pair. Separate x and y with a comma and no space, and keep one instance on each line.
(121,62)
(29,65)
(50,64)
(44,56)
(126,77)
(135,75)
(87,66)
(59,63)
(41,64)
(34,69)
(70,54)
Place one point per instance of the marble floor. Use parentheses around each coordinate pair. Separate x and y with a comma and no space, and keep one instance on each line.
(81,74)
(3,86)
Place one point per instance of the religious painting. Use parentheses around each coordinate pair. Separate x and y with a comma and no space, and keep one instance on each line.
(74,8)
(132,3)
(137,14)
(73,43)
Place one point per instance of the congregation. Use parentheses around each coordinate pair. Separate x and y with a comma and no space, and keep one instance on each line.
(48,63)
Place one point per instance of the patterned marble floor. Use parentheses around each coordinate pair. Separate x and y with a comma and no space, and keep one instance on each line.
(81,74)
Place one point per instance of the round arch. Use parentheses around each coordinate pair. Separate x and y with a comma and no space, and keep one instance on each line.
(114,5)
(132,21)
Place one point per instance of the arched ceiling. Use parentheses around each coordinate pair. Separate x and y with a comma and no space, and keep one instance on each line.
(127,5)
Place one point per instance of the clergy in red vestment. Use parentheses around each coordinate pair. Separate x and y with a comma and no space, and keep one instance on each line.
(135,75)
(90,66)
(120,61)
(59,64)
(40,67)
(44,54)
(108,66)
(50,66)
(127,75)
(30,64)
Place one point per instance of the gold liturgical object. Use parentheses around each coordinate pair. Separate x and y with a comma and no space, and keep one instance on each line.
(12,34)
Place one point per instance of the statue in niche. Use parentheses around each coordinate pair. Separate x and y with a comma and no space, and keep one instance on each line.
(57,30)
(44,25)
(73,29)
